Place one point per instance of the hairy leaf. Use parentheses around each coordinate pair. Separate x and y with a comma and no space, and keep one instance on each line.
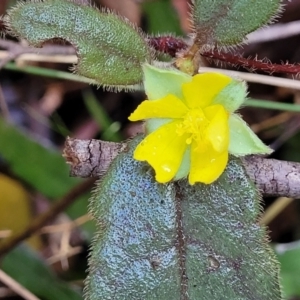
(110,50)
(176,241)
(227,22)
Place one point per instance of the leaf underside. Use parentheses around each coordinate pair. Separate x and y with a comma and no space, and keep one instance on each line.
(110,50)
(176,241)
(227,22)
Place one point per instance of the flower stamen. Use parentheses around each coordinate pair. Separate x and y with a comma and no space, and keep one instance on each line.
(193,124)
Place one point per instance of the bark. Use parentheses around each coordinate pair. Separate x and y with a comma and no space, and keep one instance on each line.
(91,158)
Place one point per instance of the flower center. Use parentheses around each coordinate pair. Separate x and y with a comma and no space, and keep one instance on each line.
(193,124)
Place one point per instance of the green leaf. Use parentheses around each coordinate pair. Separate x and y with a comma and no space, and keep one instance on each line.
(227,256)
(227,22)
(26,267)
(110,50)
(176,241)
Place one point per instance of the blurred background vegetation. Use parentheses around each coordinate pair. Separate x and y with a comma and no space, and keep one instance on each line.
(39,109)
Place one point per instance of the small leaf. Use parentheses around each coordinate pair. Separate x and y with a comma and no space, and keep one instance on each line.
(176,241)
(227,22)
(110,50)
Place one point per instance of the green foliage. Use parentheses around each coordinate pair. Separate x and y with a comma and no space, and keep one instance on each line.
(26,267)
(33,162)
(290,271)
(227,22)
(43,169)
(157,13)
(110,50)
(109,128)
(167,241)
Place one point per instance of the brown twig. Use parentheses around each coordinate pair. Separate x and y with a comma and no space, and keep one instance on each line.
(44,218)
(90,158)
(11,56)
(16,49)
(46,50)
(272,177)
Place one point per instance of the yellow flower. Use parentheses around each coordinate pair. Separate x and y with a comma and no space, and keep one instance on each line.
(189,124)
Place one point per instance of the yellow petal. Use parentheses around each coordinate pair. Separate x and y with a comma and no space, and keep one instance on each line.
(167,107)
(207,167)
(217,131)
(202,90)
(163,149)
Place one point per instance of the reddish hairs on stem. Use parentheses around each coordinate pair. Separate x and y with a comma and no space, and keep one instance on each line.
(171,45)
(252,64)
(167,44)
